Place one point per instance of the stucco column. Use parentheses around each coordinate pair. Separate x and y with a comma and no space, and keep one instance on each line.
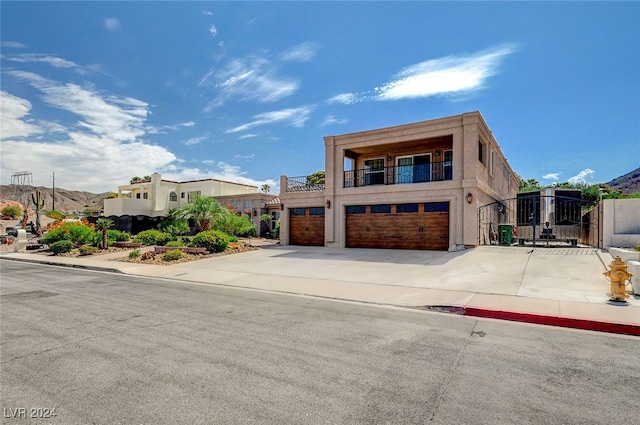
(333,176)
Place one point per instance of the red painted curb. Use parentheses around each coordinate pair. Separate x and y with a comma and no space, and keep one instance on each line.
(564,322)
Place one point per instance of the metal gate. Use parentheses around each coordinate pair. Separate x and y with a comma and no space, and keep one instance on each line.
(548,217)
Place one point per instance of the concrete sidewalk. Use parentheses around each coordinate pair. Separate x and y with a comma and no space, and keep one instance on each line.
(552,286)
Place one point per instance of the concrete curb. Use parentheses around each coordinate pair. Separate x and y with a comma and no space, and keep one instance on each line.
(75,266)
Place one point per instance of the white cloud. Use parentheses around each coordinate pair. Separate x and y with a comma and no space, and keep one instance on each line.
(213,30)
(294,117)
(102,150)
(582,176)
(13,111)
(206,12)
(551,176)
(442,76)
(112,24)
(195,140)
(121,118)
(51,60)
(301,53)
(13,45)
(346,98)
(330,120)
(245,156)
(247,136)
(250,79)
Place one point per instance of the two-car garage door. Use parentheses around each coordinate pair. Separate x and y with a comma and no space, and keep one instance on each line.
(399,226)
(391,226)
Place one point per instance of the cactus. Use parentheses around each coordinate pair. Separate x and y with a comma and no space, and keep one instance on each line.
(38,201)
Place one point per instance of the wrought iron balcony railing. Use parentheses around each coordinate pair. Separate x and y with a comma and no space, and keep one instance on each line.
(400,174)
(303,184)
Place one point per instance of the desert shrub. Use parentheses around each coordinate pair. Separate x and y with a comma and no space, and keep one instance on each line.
(12,211)
(173,255)
(118,236)
(61,247)
(212,240)
(56,215)
(135,253)
(233,238)
(233,224)
(637,248)
(174,244)
(87,249)
(153,237)
(80,233)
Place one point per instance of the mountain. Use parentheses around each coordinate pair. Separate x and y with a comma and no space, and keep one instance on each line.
(627,184)
(66,200)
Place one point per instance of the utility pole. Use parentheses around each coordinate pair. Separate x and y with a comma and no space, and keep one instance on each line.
(53,194)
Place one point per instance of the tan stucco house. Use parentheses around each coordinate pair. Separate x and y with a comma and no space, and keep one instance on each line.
(413,186)
(150,199)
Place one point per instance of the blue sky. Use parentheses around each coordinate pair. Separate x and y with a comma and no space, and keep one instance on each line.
(99,92)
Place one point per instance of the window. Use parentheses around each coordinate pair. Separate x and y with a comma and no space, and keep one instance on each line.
(436,207)
(316,211)
(413,169)
(182,195)
(145,195)
(374,171)
(407,208)
(481,151)
(138,195)
(298,211)
(173,197)
(381,209)
(356,209)
(192,195)
(448,165)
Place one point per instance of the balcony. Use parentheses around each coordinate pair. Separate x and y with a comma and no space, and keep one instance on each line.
(303,184)
(399,174)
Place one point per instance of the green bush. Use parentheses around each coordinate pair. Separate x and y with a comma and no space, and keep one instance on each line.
(174,244)
(118,236)
(56,215)
(135,253)
(232,224)
(61,247)
(76,232)
(12,211)
(87,250)
(153,237)
(173,255)
(212,240)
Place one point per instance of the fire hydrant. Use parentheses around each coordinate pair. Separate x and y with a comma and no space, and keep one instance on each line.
(617,275)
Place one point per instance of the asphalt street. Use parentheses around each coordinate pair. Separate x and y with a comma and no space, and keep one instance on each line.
(103,348)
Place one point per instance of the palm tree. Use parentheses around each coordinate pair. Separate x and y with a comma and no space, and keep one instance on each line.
(104,224)
(265,188)
(203,211)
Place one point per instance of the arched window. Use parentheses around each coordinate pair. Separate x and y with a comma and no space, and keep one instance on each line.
(173,197)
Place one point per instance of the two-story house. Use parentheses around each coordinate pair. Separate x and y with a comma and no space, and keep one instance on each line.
(140,205)
(413,186)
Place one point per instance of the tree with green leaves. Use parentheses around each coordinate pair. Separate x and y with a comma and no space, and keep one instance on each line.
(203,211)
(316,178)
(265,188)
(104,224)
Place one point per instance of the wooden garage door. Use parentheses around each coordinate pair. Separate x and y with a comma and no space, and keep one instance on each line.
(306,226)
(399,226)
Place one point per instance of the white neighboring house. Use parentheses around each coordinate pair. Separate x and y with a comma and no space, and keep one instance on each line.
(152,198)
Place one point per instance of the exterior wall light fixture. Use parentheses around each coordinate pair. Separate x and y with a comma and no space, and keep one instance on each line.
(328,204)
(469,198)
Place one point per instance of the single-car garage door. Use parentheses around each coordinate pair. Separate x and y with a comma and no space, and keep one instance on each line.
(399,226)
(306,226)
